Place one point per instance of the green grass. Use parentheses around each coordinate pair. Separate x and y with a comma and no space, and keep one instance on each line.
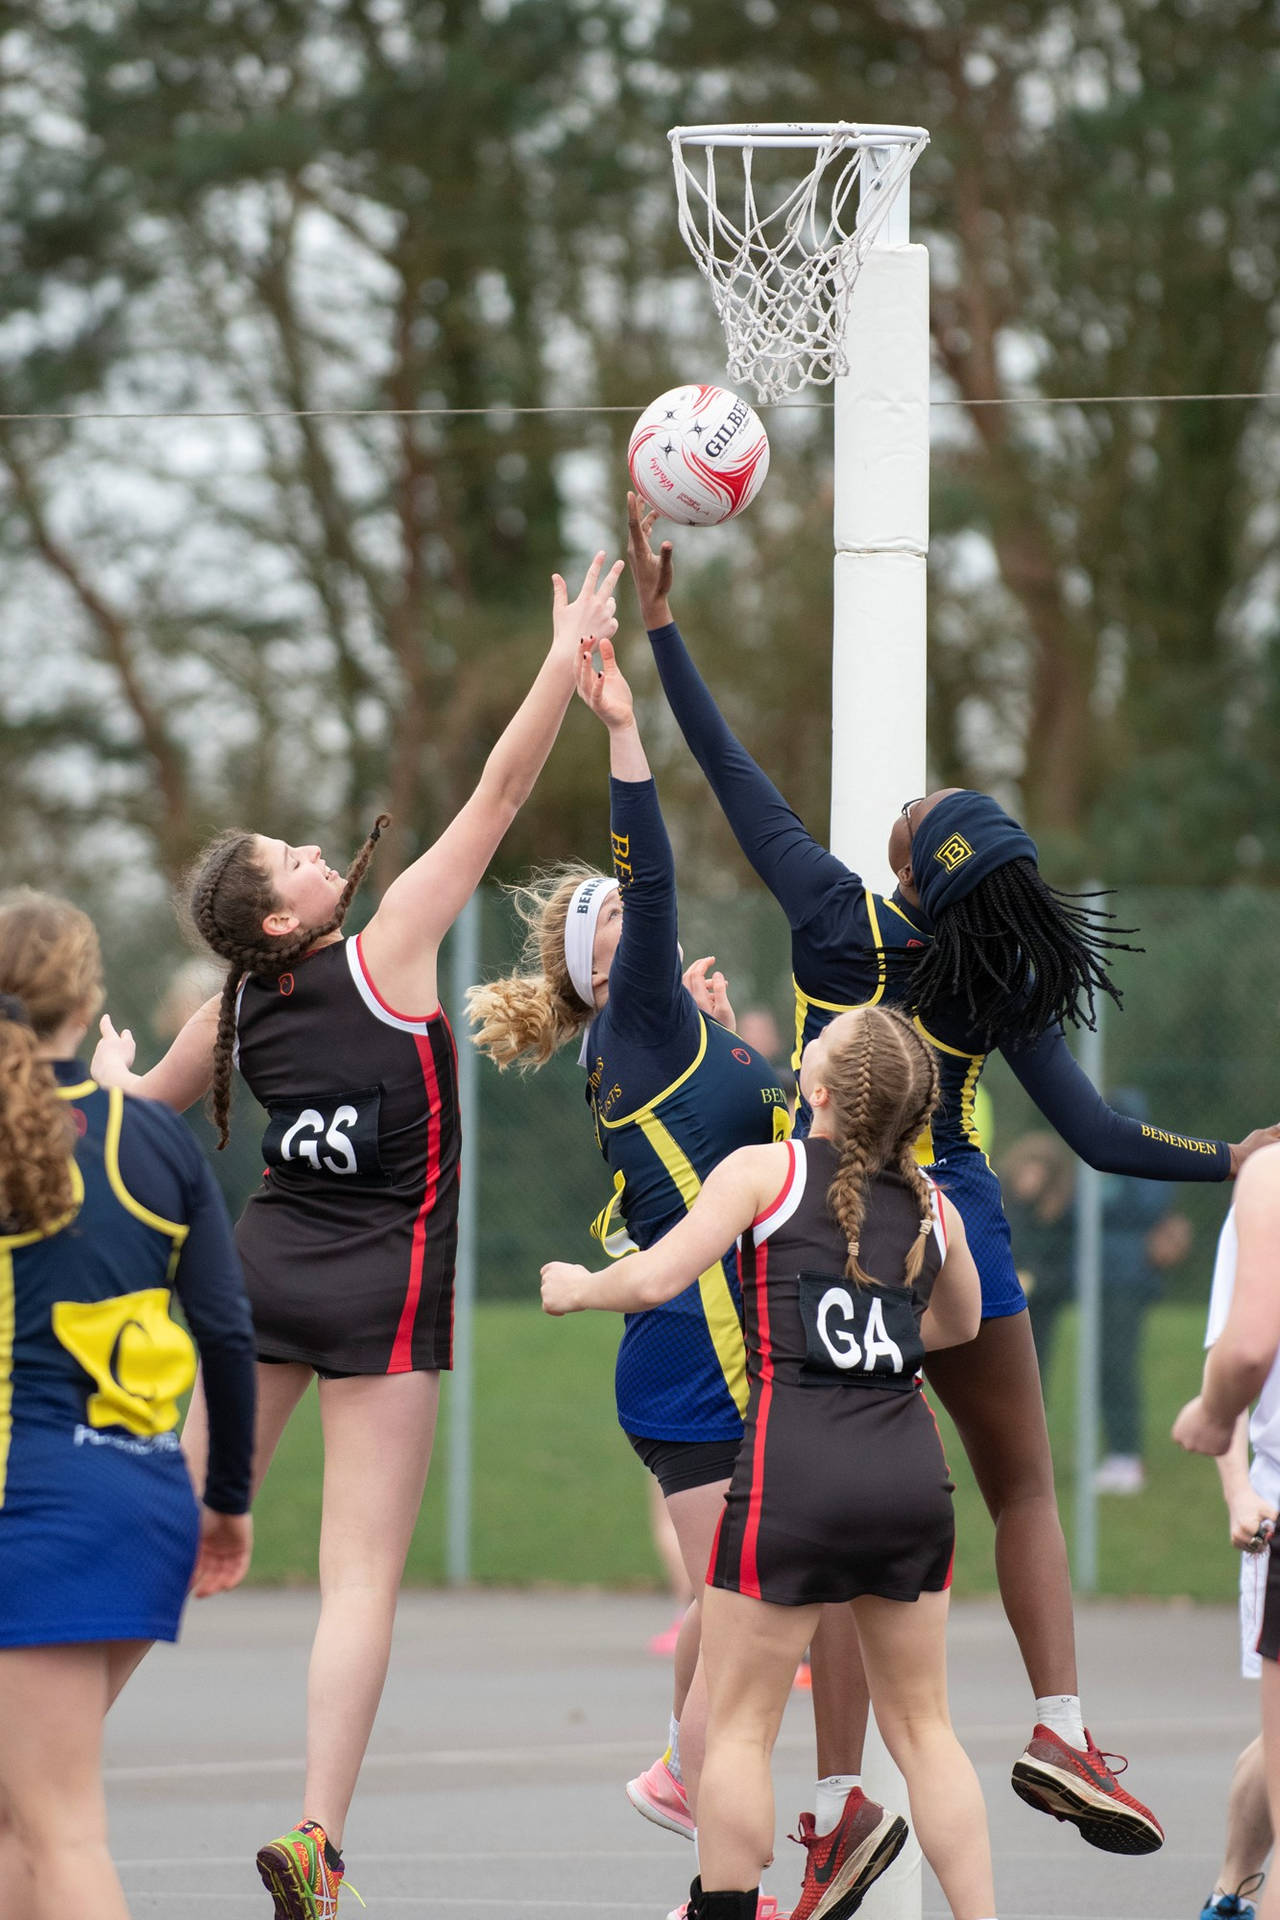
(559,1497)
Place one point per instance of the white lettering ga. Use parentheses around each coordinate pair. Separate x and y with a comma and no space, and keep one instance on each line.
(841,1342)
(298,1143)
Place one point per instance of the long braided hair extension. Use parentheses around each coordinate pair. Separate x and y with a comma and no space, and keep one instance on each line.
(228,897)
(1020,955)
(50,970)
(883,1082)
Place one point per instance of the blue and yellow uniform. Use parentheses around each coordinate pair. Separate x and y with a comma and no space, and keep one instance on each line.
(671,1092)
(852,947)
(98,1521)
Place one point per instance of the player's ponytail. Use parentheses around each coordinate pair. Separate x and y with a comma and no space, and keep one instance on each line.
(882,1077)
(228,896)
(525,1017)
(50,972)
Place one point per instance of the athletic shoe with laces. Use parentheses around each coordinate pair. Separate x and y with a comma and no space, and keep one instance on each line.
(660,1797)
(1233,1906)
(1076,1784)
(298,1876)
(842,1864)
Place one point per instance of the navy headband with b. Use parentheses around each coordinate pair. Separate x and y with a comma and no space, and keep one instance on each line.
(965,837)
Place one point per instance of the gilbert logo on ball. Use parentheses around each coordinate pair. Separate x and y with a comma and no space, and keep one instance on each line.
(699,455)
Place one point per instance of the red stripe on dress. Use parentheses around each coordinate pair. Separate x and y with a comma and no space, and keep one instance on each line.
(778,1198)
(748,1570)
(386,1004)
(402,1347)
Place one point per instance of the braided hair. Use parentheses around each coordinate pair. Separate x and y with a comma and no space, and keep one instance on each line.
(883,1081)
(229,895)
(1020,955)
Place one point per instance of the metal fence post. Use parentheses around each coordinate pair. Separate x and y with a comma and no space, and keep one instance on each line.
(463,973)
(1088,1278)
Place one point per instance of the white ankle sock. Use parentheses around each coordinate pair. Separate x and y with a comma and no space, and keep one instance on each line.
(672,1755)
(1060,1712)
(829,1798)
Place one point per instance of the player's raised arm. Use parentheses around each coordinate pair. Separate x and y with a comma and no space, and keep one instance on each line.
(797,869)
(732,1195)
(180,1078)
(401,941)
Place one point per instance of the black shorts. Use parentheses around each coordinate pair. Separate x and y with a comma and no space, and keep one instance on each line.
(678,1465)
(1269,1638)
(321,1373)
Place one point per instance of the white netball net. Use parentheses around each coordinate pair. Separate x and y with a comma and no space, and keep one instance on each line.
(782,259)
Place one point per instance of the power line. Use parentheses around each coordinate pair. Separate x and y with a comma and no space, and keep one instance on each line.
(509,412)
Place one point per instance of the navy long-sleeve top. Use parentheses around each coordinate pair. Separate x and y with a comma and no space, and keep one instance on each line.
(671,1093)
(844,941)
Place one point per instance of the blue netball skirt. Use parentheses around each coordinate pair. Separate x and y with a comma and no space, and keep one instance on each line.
(98,1537)
(973,1190)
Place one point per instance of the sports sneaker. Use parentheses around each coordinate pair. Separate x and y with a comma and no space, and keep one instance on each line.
(767,1908)
(660,1797)
(664,1643)
(842,1864)
(1076,1784)
(1120,1473)
(1232,1906)
(298,1876)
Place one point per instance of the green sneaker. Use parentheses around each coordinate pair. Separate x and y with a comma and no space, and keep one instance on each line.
(296,1873)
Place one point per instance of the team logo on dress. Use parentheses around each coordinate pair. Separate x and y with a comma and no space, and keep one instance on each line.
(741,1054)
(285,983)
(954,852)
(80,1121)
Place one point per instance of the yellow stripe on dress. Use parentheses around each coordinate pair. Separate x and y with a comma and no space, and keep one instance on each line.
(718,1306)
(6,1364)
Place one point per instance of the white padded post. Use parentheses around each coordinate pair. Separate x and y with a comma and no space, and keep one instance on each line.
(881,515)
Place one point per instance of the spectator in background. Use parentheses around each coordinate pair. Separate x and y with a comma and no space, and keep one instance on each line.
(759,1029)
(1037,1180)
(1142,1237)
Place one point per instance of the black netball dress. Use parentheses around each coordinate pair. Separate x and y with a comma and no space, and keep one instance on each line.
(348,1246)
(841,1487)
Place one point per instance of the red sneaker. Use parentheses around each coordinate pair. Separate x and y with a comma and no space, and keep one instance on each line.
(660,1797)
(842,1864)
(1076,1784)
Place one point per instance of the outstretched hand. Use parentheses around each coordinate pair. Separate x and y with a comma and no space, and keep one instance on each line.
(710,993)
(113,1056)
(1241,1149)
(652,572)
(592,615)
(606,692)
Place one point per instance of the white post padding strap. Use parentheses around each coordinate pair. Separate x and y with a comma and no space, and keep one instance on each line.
(881,516)
(882,409)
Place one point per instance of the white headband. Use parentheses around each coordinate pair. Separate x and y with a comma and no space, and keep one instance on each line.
(580,932)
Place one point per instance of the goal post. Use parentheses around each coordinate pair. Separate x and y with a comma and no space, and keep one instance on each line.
(816,282)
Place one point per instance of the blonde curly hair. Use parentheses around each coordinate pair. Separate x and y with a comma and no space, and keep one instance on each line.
(526,1016)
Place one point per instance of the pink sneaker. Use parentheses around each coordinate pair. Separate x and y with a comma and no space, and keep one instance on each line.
(665,1642)
(767,1908)
(660,1797)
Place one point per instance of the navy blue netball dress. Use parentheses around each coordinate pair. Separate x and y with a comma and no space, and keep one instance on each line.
(671,1093)
(852,947)
(99,1524)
